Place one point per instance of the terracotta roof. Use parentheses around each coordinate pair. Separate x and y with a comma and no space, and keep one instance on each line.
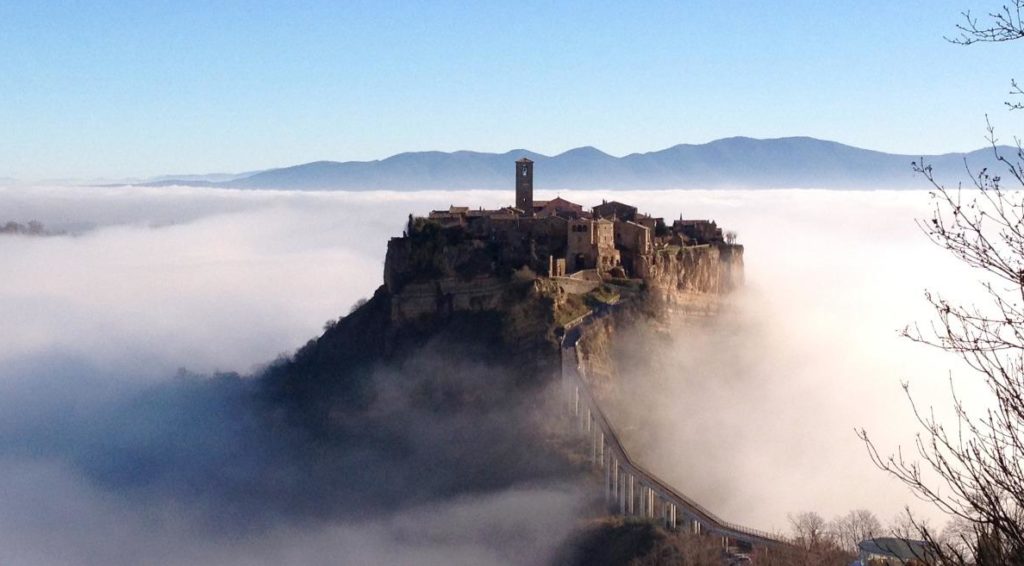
(562,200)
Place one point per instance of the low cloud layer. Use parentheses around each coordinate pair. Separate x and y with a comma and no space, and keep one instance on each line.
(51,515)
(97,323)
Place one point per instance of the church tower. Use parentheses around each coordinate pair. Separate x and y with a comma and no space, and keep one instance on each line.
(524,186)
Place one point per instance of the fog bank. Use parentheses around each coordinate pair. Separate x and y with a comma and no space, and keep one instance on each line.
(754,418)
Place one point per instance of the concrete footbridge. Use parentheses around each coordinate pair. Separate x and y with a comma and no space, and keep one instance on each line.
(629,489)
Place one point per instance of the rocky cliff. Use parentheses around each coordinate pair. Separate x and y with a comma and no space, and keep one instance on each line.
(442,273)
(678,273)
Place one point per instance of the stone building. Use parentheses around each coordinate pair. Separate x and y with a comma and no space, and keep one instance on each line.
(615,210)
(634,241)
(591,245)
(557,206)
(698,231)
(524,186)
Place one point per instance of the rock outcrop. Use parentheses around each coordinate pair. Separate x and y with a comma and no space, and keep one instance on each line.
(441,272)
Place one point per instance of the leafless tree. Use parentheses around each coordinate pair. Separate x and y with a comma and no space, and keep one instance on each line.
(975,461)
(813,544)
(857,525)
(999,26)
(682,549)
(809,528)
(904,525)
(972,468)
(959,537)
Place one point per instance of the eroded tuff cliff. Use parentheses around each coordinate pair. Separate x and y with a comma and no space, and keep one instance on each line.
(688,282)
(677,273)
(441,272)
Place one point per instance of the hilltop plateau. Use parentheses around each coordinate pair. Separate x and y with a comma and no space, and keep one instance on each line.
(452,369)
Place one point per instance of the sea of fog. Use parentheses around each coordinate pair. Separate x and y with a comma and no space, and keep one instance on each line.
(144,281)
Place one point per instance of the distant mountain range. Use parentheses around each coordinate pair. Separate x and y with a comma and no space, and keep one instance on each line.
(796,162)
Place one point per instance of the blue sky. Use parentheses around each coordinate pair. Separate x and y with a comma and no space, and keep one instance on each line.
(144,88)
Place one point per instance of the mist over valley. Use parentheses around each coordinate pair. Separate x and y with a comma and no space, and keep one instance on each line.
(101,431)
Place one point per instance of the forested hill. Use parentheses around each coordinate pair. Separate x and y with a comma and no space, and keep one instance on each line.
(797,162)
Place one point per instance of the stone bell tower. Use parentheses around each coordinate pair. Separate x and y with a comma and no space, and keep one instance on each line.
(524,186)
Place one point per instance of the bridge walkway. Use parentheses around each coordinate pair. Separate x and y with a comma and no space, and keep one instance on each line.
(629,488)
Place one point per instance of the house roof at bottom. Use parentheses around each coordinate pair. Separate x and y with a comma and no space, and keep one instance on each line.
(895,547)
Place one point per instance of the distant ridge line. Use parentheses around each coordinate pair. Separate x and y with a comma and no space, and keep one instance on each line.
(736,162)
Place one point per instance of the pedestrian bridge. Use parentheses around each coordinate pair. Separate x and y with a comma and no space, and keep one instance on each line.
(629,489)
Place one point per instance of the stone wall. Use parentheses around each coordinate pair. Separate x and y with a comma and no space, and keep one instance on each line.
(575,286)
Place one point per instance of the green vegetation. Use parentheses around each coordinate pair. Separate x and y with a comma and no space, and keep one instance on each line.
(603,295)
(426,258)
(436,252)
(573,307)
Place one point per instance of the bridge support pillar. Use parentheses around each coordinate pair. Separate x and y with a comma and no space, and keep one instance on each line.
(600,447)
(622,493)
(613,465)
(592,428)
(619,494)
(608,482)
(630,488)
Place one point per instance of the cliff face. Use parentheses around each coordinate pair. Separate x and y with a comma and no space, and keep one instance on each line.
(677,272)
(440,273)
(688,282)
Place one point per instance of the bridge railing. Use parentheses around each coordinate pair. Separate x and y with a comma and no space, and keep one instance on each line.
(622,473)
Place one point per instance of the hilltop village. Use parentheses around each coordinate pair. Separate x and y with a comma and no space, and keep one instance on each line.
(482,311)
(456,259)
